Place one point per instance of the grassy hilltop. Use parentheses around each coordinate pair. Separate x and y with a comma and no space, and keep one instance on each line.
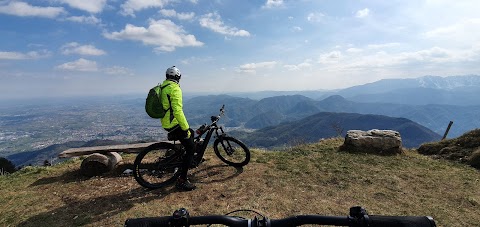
(308,179)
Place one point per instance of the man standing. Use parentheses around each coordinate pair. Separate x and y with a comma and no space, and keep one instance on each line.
(176,123)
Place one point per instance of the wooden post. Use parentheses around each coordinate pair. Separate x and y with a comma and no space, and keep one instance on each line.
(448,129)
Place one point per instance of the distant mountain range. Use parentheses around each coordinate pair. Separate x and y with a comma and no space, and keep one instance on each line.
(420,109)
(248,113)
(309,129)
(452,90)
(433,82)
(327,125)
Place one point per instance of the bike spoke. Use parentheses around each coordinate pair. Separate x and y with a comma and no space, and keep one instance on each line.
(156,168)
(232,151)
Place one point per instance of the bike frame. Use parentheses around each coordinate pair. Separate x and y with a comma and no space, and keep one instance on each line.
(212,128)
(175,154)
(200,151)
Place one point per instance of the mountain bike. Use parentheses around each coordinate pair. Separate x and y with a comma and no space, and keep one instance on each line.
(357,217)
(159,164)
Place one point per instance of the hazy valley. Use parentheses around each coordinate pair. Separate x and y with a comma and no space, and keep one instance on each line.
(272,121)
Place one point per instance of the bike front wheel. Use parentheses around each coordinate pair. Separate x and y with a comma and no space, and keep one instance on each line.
(156,167)
(231,151)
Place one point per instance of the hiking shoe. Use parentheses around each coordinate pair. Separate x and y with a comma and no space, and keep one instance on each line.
(184,185)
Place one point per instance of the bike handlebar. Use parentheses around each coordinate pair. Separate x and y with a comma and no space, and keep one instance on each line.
(394,221)
(353,220)
(216,118)
(199,220)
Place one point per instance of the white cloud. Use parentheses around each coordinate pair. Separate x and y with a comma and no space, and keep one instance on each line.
(163,34)
(131,6)
(84,19)
(362,13)
(180,16)
(315,17)
(432,55)
(354,50)
(434,58)
(331,57)
(273,3)
(428,56)
(91,6)
(75,48)
(82,65)
(382,46)
(253,67)
(186,16)
(26,10)
(213,22)
(196,60)
(303,65)
(465,31)
(118,70)
(296,29)
(6,55)
(168,12)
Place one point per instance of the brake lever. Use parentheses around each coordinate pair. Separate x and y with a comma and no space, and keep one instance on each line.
(222,110)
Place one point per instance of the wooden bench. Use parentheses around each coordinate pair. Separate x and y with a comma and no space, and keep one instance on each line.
(102,159)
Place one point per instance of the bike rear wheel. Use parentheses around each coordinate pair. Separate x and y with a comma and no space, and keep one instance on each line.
(231,151)
(156,167)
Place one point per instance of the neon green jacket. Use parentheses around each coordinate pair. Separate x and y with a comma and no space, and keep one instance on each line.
(175,115)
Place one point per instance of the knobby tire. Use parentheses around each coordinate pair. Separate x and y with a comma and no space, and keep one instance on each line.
(155,168)
(231,151)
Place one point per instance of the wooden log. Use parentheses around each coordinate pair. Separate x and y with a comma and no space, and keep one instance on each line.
(97,164)
(125,148)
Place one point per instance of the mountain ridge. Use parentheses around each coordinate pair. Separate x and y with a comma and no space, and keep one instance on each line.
(258,114)
(36,123)
(328,124)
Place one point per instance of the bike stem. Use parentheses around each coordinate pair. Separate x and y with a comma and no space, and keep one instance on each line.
(358,217)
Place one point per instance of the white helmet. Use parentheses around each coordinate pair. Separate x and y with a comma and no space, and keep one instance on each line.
(173,73)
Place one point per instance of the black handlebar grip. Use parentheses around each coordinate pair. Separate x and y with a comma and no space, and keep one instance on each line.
(148,222)
(401,221)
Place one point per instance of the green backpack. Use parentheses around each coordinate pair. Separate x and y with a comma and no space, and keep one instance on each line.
(153,104)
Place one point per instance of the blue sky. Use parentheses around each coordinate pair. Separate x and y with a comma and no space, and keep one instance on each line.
(90,47)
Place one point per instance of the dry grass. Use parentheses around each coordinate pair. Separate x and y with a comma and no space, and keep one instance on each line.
(309,179)
(464,149)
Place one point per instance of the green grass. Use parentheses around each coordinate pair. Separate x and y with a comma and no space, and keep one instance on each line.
(307,179)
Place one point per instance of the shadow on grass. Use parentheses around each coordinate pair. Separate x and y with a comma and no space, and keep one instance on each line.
(76,175)
(66,177)
(201,174)
(215,173)
(77,212)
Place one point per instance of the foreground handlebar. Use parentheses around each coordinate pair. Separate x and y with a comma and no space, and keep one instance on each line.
(311,219)
(199,220)
(401,221)
(371,221)
(148,222)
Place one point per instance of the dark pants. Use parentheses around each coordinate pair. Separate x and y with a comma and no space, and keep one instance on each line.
(179,134)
